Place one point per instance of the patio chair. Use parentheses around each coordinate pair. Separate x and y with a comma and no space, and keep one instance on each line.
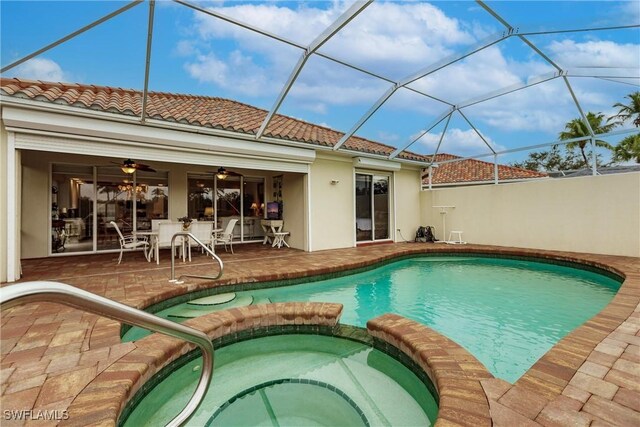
(203,231)
(227,235)
(130,242)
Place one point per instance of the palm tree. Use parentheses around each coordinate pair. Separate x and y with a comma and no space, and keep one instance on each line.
(627,112)
(628,149)
(576,128)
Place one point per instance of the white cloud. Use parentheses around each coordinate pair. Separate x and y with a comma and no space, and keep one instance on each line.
(477,75)
(597,53)
(372,40)
(185,48)
(391,38)
(523,120)
(40,69)
(388,137)
(238,71)
(316,107)
(457,141)
(335,92)
(628,13)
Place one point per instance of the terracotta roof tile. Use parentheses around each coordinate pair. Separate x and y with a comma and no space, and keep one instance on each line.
(471,170)
(219,113)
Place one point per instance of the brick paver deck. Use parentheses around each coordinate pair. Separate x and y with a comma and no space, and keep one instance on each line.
(51,353)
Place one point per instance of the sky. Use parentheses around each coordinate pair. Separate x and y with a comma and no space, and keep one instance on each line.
(198,54)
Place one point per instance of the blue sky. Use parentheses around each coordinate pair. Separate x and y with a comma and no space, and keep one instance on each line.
(194,53)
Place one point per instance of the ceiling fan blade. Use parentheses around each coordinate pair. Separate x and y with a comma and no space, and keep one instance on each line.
(144,168)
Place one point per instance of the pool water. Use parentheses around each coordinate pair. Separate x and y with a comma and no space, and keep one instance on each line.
(507,313)
(294,380)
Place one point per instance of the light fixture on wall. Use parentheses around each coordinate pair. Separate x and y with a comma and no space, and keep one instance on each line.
(222,173)
(335,181)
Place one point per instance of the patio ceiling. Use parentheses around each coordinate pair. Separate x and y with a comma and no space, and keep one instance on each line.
(471,79)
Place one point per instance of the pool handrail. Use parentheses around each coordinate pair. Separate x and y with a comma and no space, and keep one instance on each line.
(55,292)
(205,247)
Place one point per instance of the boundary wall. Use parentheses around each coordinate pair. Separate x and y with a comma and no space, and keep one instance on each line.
(594,214)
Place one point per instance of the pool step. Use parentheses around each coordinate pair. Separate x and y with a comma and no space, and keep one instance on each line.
(350,374)
(198,307)
(213,299)
(263,300)
(187,312)
(290,402)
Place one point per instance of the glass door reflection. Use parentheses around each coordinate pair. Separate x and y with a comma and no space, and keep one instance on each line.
(116,193)
(364,226)
(228,203)
(72,190)
(381,207)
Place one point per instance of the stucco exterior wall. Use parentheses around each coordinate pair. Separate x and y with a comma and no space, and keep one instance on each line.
(332,214)
(598,214)
(408,211)
(3,203)
(9,257)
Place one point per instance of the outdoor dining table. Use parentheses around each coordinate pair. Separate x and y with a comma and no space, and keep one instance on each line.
(153,237)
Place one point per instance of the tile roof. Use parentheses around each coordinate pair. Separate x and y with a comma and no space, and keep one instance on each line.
(472,170)
(226,114)
(216,113)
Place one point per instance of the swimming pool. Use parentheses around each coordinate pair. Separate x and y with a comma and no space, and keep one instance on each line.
(296,380)
(506,312)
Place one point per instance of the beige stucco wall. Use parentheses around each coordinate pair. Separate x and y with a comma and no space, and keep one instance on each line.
(3,203)
(332,214)
(9,255)
(332,205)
(408,212)
(598,214)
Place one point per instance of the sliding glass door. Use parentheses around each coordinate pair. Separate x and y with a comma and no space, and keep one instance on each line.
(85,199)
(364,225)
(72,191)
(372,207)
(237,197)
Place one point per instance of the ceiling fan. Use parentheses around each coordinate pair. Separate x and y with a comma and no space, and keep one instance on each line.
(222,173)
(129,166)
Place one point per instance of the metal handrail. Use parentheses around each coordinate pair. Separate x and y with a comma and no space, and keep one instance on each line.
(206,248)
(42,291)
